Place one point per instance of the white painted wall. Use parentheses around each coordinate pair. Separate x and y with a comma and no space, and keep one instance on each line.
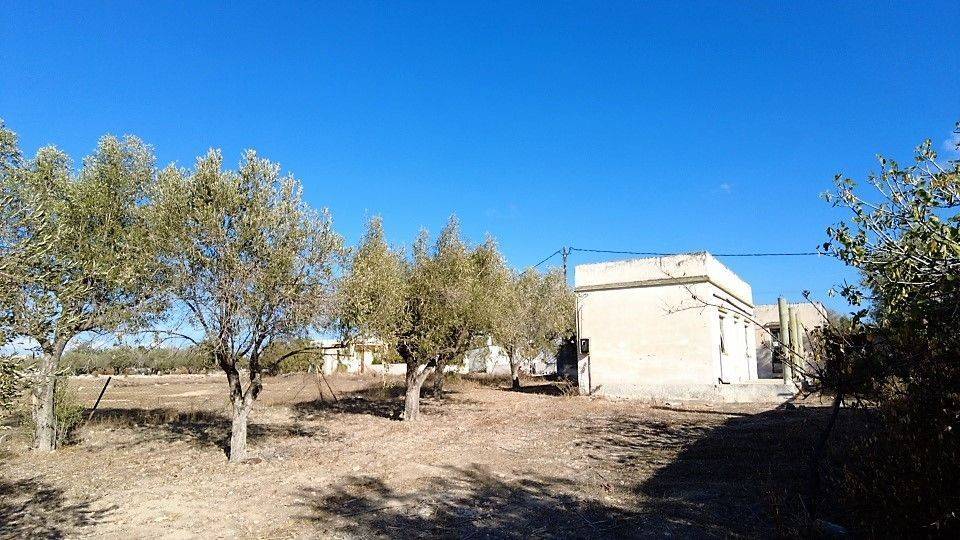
(655,323)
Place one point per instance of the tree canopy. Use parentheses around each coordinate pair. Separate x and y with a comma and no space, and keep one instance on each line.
(536,313)
(431,308)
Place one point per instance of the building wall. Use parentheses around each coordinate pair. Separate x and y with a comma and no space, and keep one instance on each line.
(654,326)
(650,335)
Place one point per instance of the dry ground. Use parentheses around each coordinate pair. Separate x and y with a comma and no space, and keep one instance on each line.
(485,462)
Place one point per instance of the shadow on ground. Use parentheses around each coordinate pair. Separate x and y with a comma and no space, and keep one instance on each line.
(690,476)
(203,428)
(350,404)
(32,509)
(383,402)
(471,502)
(542,388)
(741,476)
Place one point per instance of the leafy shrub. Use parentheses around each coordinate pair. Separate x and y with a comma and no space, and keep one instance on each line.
(68,413)
(895,470)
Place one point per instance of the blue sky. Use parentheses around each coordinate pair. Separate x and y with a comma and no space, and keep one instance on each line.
(679,126)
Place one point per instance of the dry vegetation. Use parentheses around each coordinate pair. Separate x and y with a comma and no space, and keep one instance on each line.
(487,462)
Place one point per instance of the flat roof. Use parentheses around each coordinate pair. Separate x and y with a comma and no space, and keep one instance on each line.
(684,268)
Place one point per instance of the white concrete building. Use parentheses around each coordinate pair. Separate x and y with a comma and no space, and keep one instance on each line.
(676,327)
(354,358)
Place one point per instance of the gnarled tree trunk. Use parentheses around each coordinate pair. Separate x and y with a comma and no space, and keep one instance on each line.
(238,428)
(44,415)
(44,399)
(242,403)
(416,375)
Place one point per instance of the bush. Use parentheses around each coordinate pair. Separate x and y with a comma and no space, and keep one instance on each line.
(895,469)
(68,413)
(893,464)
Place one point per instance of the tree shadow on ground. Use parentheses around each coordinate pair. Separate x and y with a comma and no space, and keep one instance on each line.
(201,427)
(32,509)
(742,476)
(470,502)
(349,404)
(552,388)
(382,402)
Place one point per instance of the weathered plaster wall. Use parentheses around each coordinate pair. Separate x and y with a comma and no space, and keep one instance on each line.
(655,324)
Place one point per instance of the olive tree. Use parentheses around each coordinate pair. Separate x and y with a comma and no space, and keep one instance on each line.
(430,308)
(250,263)
(372,293)
(536,315)
(76,254)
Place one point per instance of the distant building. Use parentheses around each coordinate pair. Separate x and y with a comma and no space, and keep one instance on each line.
(769,357)
(351,358)
(676,327)
(490,359)
(493,359)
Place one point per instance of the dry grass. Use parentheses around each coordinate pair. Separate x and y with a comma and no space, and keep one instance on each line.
(484,462)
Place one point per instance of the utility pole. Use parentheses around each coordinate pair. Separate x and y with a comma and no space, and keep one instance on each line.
(796,342)
(785,350)
(565,252)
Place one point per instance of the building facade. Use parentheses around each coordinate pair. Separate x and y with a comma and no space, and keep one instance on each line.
(676,327)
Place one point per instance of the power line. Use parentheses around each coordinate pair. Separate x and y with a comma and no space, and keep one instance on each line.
(566,250)
(659,254)
(548,257)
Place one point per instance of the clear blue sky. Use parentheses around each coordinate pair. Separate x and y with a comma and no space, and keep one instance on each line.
(678,126)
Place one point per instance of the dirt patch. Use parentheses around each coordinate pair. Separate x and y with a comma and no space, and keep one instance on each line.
(483,462)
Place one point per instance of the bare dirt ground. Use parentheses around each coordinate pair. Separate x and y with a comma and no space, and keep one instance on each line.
(484,462)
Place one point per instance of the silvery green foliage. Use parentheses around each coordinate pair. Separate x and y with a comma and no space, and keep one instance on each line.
(430,308)
(75,252)
(12,381)
(249,262)
(536,313)
(248,258)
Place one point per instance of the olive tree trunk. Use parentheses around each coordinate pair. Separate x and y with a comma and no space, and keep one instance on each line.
(242,404)
(416,375)
(238,428)
(514,370)
(43,399)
